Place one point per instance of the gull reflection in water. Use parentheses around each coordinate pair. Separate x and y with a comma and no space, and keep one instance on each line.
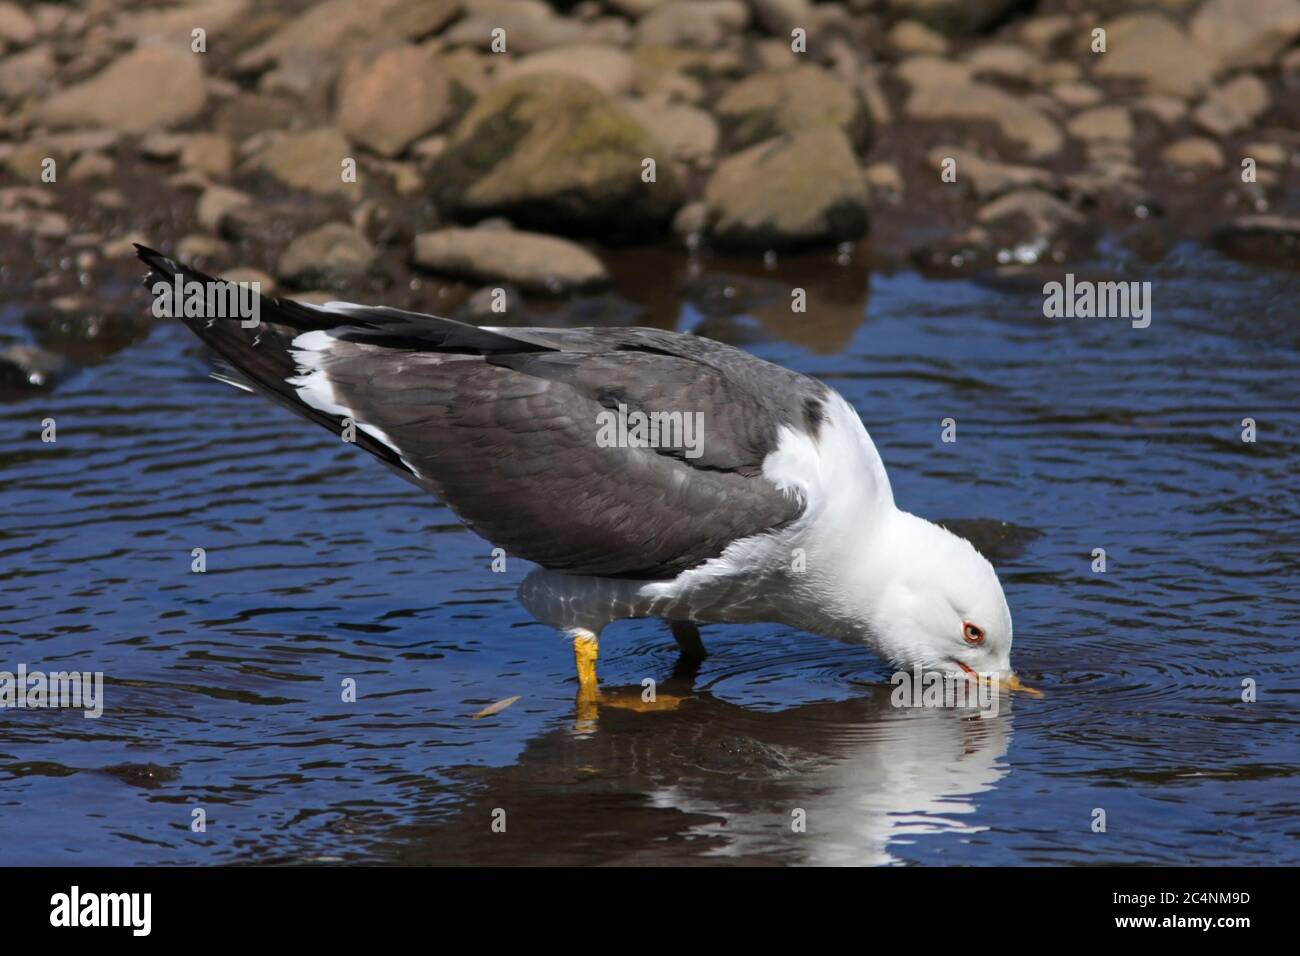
(716,780)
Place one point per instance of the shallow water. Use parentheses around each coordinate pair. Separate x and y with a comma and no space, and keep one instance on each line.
(223,688)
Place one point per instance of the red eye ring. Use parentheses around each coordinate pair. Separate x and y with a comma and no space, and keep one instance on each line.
(971,634)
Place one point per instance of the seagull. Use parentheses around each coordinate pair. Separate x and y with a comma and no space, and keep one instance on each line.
(646,473)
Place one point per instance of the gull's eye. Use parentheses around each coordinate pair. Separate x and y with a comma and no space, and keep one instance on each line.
(972,634)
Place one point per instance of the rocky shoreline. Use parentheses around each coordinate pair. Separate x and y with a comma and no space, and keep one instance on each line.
(411,151)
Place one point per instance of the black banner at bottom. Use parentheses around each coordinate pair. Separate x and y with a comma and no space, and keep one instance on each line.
(334,905)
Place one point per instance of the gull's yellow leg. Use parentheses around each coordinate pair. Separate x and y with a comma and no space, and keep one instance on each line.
(586,648)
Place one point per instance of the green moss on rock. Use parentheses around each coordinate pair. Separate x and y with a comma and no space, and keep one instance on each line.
(553,152)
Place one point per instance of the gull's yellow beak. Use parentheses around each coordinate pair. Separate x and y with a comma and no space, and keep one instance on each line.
(1012,683)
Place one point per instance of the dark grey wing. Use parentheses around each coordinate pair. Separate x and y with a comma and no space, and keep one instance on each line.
(504,425)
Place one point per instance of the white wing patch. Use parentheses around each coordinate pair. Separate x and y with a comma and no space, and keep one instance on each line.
(338,307)
(311,354)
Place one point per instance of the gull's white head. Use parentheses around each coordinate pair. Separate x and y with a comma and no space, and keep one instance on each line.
(938,603)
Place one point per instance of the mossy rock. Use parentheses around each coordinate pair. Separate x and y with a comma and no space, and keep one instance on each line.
(554,153)
(777,102)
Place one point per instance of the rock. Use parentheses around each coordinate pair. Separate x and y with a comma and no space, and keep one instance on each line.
(111,199)
(127,96)
(1076,95)
(1239,34)
(1003,60)
(1168,109)
(202,249)
(406,178)
(690,135)
(26,162)
(705,24)
(310,160)
(29,366)
(691,220)
(987,179)
(1021,232)
(779,17)
(44,223)
(1264,238)
(664,70)
(305,78)
(430,148)
(884,183)
(530,261)
(16,197)
(333,256)
(933,72)
(1266,154)
(528,28)
(248,114)
(50,19)
(1041,213)
(1102,152)
(172,26)
(91,166)
(1104,123)
(161,146)
(1056,71)
(124,247)
(1194,152)
(28,73)
(774,55)
(1112,184)
(1042,33)
(912,36)
(555,152)
(393,222)
(216,203)
(770,104)
(873,96)
(955,17)
(16,27)
(271,221)
(387,101)
(208,153)
(467,72)
(797,190)
(337,28)
(1233,106)
(1151,48)
(609,69)
(247,275)
(614,31)
(190,180)
(942,90)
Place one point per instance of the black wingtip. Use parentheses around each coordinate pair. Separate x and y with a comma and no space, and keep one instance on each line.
(158,263)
